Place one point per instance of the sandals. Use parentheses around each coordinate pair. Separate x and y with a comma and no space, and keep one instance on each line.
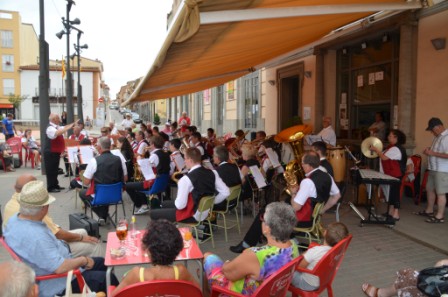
(369,290)
(434,220)
(424,213)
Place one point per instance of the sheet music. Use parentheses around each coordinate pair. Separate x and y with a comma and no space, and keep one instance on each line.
(178,161)
(258,177)
(72,151)
(146,169)
(86,154)
(273,157)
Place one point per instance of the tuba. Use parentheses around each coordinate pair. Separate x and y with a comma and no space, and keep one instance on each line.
(184,146)
(294,136)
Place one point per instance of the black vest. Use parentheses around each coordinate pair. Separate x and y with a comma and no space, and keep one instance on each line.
(108,169)
(203,181)
(327,165)
(230,174)
(164,162)
(322,182)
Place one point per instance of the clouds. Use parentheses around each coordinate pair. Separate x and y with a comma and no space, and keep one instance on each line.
(124,35)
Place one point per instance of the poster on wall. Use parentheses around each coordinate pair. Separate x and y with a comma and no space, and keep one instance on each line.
(379,75)
(371,78)
(343,117)
(207,95)
(306,113)
(360,80)
(231,90)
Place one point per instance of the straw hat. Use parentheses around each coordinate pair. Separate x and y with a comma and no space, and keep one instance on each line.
(34,194)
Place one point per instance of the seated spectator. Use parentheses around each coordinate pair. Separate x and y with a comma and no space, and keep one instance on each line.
(6,152)
(405,284)
(163,243)
(43,252)
(18,280)
(334,233)
(32,146)
(246,273)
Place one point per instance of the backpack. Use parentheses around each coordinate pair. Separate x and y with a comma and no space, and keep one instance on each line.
(433,281)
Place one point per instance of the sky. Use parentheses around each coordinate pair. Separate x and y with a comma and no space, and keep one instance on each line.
(124,35)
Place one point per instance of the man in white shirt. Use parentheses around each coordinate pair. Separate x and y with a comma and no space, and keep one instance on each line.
(127,122)
(327,134)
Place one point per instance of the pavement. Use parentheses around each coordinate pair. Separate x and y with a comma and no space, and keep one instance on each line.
(374,255)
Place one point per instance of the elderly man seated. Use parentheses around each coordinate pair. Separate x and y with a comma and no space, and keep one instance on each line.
(17,280)
(34,243)
(79,242)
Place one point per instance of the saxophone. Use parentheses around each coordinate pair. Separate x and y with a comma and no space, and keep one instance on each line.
(294,136)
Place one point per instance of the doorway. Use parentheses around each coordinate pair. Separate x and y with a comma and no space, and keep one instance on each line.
(290,91)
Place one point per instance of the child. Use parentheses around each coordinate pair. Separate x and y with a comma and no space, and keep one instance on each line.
(334,233)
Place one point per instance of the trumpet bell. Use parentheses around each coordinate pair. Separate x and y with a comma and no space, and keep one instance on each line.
(293,133)
(369,142)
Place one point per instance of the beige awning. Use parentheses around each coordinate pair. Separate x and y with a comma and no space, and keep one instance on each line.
(212,42)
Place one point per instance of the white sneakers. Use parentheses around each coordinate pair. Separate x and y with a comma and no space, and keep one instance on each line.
(142,210)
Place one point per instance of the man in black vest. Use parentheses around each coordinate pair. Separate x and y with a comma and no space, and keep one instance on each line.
(320,148)
(104,169)
(199,182)
(160,161)
(318,186)
(229,173)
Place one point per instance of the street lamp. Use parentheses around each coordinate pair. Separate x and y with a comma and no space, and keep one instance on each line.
(69,86)
(78,53)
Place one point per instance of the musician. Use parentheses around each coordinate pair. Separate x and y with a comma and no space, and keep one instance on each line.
(266,162)
(166,139)
(174,149)
(393,162)
(131,138)
(160,162)
(76,182)
(184,122)
(174,130)
(378,128)
(77,134)
(199,182)
(155,130)
(316,187)
(104,169)
(229,172)
(54,147)
(142,143)
(195,141)
(83,130)
(438,171)
(211,141)
(320,148)
(250,158)
(240,139)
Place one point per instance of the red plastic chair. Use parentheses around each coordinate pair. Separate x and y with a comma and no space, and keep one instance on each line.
(275,285)
(16,147)
(326,270)
(162,288)
(29,155)
(417,160)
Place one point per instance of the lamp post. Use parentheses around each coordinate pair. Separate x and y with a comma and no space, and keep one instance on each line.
(78,53)
(68,83)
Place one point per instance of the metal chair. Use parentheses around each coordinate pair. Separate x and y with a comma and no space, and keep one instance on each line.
(275,285)
(206,204)
(159,288)
(313,232)
(158,188)
(233,198)
(325,270)
(77,190)
(105,195)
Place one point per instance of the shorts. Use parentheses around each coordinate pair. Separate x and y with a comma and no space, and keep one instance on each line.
(437,181)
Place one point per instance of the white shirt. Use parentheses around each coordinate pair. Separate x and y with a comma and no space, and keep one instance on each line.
(439,145)
(127,123)
(92,166)
(153,158)
(141,148)
(308,189)
(199,147)
(185,187)
(85,133)
(52,129)
(328,135)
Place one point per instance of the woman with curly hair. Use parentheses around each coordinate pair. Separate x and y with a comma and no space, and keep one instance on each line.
(163,242)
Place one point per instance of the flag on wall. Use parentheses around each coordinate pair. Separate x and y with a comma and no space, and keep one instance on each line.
(63,67)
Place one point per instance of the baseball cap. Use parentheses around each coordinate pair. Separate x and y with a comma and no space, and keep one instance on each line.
(433,122)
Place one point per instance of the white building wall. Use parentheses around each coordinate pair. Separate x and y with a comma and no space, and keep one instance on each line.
(30,88)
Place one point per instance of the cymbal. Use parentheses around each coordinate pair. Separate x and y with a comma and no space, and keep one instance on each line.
(367,143)
(293,133)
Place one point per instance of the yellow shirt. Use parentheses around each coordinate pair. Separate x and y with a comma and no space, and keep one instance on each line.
(13,207)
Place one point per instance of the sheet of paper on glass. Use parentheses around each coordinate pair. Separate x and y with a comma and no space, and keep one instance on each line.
(86,153)
(258,177)
(72,152)
(273,157)
(146,169)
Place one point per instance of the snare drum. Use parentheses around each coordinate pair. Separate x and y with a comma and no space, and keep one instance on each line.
(336,157)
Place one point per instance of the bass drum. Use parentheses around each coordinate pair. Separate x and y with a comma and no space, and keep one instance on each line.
(336,157)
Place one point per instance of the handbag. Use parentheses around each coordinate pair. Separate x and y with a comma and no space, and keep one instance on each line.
(86,292)
(433,281)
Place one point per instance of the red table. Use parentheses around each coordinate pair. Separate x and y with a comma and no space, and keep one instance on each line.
(135,255)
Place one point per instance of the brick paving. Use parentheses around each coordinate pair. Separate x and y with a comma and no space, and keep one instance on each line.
(374,255)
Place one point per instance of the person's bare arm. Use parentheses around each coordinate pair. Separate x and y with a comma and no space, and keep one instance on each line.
(74,237)
(70,264)
(244,265)
(330,203)
(131,277)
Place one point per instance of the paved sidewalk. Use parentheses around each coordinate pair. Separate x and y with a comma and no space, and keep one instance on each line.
(374,255)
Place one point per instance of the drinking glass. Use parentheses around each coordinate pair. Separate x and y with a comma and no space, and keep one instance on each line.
(187,239)
(122,232)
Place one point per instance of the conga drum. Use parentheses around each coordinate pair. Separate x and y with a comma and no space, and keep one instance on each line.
(336,157)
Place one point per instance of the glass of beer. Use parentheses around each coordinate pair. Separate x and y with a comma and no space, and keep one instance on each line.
(122,232)
(187,239)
